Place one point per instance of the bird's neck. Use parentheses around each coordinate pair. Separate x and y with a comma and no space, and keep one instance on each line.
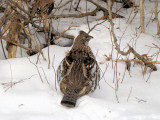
(80,46)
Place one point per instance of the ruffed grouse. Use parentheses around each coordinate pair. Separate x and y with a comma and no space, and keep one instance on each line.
(78,73)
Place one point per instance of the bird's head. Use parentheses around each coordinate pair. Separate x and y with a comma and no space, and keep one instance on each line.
(83,38)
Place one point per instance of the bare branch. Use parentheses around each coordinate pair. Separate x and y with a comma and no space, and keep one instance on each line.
(130,50)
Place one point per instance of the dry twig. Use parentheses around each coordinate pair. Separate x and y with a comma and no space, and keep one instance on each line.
(135,60)
(37,69)
(130,50)
(11,84)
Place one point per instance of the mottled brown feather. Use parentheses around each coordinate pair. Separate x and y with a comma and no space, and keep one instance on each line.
(78,73)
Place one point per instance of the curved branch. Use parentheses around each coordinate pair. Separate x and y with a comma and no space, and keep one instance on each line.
(73,15)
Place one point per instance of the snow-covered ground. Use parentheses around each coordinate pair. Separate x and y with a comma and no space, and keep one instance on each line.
(28,91)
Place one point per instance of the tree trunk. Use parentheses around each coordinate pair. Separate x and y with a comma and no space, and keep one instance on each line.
(13,34)
(141,15)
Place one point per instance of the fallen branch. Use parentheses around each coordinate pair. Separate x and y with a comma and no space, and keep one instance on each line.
(98,8)
(73,15)
(156,46)
(105,10)
(145,61)
(135,60)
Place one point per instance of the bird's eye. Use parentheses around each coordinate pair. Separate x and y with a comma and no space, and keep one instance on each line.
(84,37)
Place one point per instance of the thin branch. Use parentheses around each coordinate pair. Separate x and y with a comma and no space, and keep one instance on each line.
(77,5)
(54,72)
(135,60)
(130,15)
(124,74)
(37,69)
(129,94)
(16,5)
(104,71)
(70,6)
(54,33)
(96,26)
(9,85)
(14,43)
(73,15)
(130,50)
(116,94)
(133,16)
(36,45)
(44,75)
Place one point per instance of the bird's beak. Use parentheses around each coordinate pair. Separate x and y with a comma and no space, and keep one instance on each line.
(91,37)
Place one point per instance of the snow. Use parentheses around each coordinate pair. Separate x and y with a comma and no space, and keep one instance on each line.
(36,95)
